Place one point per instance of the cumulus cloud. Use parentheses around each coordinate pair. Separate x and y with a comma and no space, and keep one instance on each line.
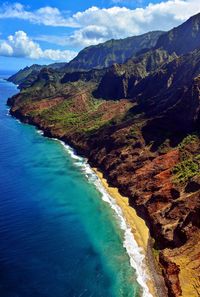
(89,35)
(20,45)
(48,16)
(122,21)
(95,25)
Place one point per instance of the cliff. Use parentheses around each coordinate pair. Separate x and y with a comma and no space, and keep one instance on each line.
(182,39)
(139,123)
(113,51)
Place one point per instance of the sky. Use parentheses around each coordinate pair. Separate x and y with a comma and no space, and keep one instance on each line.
(48,31)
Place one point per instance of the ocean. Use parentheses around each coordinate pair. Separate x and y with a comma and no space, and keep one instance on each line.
(59,236)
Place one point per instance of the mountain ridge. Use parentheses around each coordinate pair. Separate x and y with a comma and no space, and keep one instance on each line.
(125,48)
(112,51)
(182,39)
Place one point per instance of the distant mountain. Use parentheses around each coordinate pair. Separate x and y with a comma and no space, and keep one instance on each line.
(122,80)
(182,39)
(22,74)
(97,56)
(26,76)
(113,51)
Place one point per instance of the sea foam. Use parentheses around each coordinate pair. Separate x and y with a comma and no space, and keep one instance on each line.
(40,132)
(136,255)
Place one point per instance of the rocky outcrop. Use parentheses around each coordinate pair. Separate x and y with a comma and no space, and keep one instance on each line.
(170,273)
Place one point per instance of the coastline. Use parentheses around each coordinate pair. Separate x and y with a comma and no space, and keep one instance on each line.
(156,284)
(148,278)
(137,244)
(142,237)
(136,233)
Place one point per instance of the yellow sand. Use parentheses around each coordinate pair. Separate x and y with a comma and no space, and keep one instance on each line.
(137,224)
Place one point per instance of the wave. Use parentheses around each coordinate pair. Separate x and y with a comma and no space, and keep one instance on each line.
(8,112)
(137,258)
(40,132)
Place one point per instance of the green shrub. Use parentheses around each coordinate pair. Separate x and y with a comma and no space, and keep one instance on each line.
(191,138)
(186,169)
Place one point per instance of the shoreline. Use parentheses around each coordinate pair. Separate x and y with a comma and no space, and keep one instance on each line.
(151,283)
(141,235)
(138,229)
(136,233)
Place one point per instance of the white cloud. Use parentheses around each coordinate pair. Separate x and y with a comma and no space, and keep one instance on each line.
(58,55)
(20,45)
(95,25)
(48,16)
(122,21)
(6,49)
(80,38)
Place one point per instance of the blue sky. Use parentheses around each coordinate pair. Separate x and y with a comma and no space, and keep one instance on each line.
(50,31)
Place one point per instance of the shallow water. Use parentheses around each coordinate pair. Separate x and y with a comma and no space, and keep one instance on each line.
(58,237)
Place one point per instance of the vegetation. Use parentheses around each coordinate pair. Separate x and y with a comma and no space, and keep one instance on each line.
(185,170)
(191,138)
(112,51)
(190,160)
(75,116)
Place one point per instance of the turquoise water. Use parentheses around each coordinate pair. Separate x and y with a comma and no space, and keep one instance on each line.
(58,237)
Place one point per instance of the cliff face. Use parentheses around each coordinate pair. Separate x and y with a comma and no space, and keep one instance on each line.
(182,39)
(145,139)
(113,51)
(120,80)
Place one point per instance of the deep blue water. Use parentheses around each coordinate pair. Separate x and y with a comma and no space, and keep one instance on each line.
(57,237)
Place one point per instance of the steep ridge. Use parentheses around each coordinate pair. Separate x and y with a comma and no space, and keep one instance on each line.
(145,137)
(182,39)
(25,77)
(120,79)
(96,56)
(112,51)
(22,74)
(115,82)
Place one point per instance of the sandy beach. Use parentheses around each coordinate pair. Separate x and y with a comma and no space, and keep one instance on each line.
(140,231)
